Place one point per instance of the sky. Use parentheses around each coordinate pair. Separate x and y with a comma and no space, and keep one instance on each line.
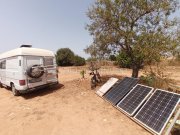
(46,24)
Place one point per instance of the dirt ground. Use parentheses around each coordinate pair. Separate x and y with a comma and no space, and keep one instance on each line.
(68,109)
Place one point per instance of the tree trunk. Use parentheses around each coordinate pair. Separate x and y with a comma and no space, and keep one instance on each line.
(135,72)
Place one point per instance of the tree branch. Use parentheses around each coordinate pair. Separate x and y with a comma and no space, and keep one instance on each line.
(141,15)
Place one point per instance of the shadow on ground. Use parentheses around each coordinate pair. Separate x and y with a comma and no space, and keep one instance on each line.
(42,91)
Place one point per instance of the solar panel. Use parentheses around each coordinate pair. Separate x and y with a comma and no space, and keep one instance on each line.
(106,86)
(157,111)
(134,99)
(120,90)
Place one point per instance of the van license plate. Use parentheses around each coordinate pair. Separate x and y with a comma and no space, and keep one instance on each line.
(35,80)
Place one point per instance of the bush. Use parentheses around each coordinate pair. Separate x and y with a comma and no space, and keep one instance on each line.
(155,81)
(64,57)
(149,79)
(155,77)
(112,58)
(123,60)
(79,61)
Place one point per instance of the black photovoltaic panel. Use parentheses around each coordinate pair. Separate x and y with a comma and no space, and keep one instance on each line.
(120,90)
(134,99)
(157,111)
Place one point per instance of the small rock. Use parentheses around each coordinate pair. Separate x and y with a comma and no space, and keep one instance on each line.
(104,120)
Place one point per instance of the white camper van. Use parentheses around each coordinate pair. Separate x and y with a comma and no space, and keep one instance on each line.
(27,68)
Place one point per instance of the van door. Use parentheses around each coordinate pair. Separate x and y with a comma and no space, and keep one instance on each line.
(51,73)
(32,61)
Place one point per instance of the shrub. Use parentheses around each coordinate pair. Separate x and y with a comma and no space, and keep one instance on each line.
(123,60)
(82,73)
(155,81)
(112,58)
(79,61)
(149,79)
(64,57)
(155,77)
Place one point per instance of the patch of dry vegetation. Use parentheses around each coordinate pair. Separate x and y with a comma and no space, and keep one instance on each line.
(160,76)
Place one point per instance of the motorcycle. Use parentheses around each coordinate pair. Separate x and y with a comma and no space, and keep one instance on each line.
(95,79)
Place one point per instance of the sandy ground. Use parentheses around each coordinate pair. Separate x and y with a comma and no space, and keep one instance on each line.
(68,109)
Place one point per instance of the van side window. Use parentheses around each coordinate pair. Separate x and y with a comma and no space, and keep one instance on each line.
(3,64)
(19,62)
(12,63)
(0,64)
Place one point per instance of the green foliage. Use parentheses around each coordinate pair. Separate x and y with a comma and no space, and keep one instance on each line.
(82,73)
(149,80)
(112,57)
(155,81)
(176,46)
(123,60)
(92,50)
(66,57)
(97,51)
(155,77)
(140,29)
(79,61)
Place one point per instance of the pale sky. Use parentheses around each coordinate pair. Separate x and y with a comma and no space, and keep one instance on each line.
(47,24)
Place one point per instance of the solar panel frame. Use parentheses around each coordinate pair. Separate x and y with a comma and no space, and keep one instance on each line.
(109,84)
(116,85)
(165,123)
(140,104)
(110,90)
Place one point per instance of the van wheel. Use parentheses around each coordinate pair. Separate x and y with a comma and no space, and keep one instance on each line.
(14,91)
(1,85)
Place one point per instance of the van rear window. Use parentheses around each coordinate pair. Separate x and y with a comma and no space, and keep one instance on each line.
(34,60)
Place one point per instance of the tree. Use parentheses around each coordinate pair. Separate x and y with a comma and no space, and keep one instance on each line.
(92,50)
(65,57)
(176,45)
(141,29)
(79,61)
(98,51)
(112,58)
(123,60)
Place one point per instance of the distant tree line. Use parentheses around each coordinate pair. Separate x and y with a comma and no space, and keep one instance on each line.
(66,57)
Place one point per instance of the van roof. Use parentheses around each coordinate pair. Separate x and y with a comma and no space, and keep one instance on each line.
(26,51)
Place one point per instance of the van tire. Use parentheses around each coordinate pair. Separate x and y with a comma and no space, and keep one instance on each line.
(14,91)
(1,86)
